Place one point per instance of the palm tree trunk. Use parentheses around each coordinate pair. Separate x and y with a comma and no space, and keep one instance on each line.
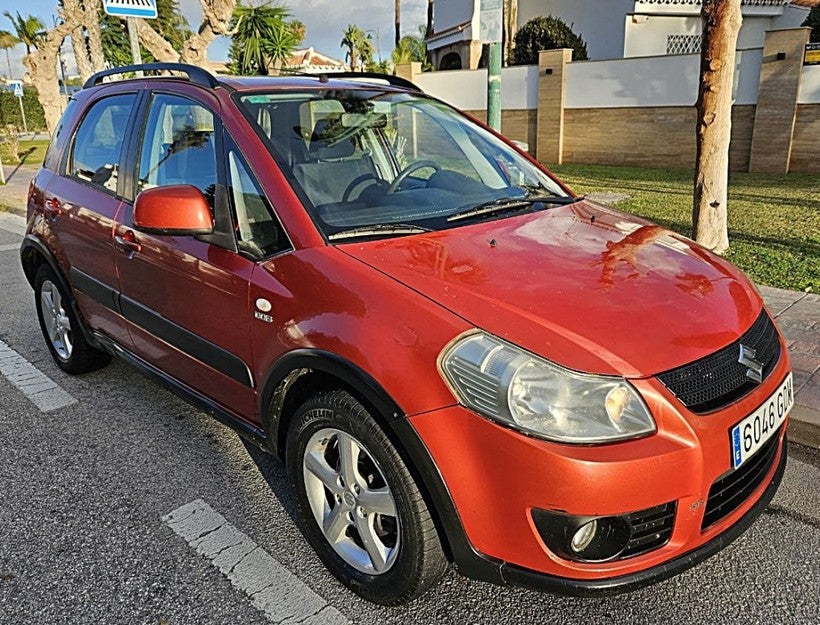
(429,32)
(398,21)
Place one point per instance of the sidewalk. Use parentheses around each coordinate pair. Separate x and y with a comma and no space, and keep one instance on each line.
(13,194)
(797,314)
(798,317)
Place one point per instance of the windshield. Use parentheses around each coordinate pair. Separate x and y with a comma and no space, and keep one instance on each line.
(374,163)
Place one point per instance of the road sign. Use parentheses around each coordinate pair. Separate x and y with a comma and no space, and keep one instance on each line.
(146,9)
(18,88)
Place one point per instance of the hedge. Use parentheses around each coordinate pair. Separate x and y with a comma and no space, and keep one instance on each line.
(10,110)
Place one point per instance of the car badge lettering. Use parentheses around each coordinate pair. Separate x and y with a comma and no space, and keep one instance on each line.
(747,358)
(263,317)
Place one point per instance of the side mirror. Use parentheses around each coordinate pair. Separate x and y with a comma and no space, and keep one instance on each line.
(179,210)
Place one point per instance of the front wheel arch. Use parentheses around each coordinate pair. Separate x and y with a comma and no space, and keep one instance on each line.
(303,373)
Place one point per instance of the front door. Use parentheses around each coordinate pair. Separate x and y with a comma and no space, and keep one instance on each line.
(186,298)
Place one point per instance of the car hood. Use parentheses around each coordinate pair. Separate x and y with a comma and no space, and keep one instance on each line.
(585,286)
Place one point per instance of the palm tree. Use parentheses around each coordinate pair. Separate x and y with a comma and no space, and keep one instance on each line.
(28,29)
(398,22)
(359,46)
(411,48)
(8,41)
(262,38)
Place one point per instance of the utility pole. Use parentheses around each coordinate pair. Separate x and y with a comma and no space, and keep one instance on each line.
(491,19)
(136,56)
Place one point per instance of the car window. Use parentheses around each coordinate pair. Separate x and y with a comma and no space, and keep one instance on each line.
(258,231)
(364,161)
(95,155)
(178,146)
(51,159)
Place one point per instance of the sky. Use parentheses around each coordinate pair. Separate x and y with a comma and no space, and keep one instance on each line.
(325,21)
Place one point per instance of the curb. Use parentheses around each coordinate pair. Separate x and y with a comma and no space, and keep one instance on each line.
(804,426)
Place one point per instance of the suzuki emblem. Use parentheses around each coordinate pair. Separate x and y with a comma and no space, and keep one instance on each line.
(747,359)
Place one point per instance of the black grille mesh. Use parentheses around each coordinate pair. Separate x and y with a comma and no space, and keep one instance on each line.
(719,379)
(730,491)
(651,529)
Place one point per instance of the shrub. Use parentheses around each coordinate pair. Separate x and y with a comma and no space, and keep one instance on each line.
(546,33)
(10,110)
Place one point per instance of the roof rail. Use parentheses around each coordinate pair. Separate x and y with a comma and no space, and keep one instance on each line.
(195,74)
(396,81)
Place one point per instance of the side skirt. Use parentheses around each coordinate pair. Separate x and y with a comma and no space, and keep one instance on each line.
(254,434)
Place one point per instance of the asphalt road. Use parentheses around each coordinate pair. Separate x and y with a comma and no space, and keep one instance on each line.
(83,491)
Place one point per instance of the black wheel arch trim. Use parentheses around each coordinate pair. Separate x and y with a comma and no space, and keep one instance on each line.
(33,245)
(401,432)
(281,373)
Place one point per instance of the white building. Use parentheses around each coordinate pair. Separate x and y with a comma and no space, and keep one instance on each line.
(611,28)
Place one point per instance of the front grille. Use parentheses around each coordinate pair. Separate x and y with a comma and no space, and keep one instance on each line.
(719,379)
(729,492)
(651,529)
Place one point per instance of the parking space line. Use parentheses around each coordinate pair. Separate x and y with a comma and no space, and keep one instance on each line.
(271,587)
(9,247)
(35,385)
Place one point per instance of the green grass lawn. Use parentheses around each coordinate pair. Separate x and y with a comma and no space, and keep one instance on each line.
(29,152)
(774,220)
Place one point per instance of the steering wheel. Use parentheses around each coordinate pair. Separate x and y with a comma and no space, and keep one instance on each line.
(355,183)
(409,170)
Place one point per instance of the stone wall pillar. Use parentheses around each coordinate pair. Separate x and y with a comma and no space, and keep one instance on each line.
(780,74)
(552,86)
(408,71)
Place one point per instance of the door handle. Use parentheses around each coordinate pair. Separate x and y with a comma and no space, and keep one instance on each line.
(127,243)
(53,207)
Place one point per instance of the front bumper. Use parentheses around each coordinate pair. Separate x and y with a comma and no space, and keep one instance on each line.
(519,576)
(495,477)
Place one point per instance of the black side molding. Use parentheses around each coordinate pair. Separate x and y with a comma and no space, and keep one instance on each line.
(186,341)
(192,344)
(247,430)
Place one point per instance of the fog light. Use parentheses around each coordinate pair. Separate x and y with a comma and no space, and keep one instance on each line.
(583,537)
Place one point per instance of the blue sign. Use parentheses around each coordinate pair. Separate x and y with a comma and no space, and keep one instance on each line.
(146,9)
(18,89)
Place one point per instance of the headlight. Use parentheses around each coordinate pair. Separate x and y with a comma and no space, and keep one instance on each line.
(535,396)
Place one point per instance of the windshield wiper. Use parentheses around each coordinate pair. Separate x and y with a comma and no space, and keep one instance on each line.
(377,230)
(509,204)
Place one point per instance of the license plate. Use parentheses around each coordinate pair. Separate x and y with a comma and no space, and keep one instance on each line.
(752,433)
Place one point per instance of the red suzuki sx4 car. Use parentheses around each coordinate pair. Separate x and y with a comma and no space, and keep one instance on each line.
(457,358)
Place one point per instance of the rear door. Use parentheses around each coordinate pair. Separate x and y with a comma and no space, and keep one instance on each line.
(186,298)
(81,206)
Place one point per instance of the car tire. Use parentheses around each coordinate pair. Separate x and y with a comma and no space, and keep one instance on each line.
(386,559)
(61,328)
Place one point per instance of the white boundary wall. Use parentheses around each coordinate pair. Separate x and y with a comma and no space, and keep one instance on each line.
(810,85)
(467,89)
(652,81)
(633,82)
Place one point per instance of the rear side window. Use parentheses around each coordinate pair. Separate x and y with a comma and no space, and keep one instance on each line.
(52,157)
(97,146)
